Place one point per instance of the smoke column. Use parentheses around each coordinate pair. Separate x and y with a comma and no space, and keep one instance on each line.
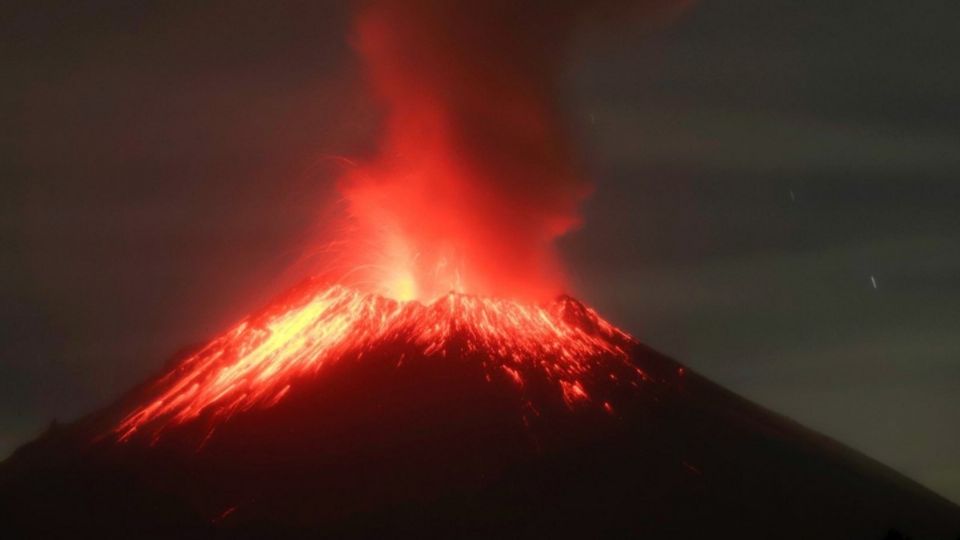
(474,181)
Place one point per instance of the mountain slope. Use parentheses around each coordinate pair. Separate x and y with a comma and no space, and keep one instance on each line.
(456,437)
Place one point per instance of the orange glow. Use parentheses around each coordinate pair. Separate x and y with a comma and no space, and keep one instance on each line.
(258,361)
(402,287)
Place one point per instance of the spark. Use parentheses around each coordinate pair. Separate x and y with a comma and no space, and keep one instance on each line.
(223,515)
(873,281)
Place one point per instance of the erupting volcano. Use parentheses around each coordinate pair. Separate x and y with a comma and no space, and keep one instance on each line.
(436,381)
(451,228)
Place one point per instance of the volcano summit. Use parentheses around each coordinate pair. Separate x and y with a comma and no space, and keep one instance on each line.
(257,362)
(335,413)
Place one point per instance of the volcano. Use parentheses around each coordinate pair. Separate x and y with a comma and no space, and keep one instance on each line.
(338,413)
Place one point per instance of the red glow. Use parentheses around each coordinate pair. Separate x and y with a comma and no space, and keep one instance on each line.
(473,183)
(256,363)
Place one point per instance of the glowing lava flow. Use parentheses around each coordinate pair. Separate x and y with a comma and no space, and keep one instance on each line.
(256,363)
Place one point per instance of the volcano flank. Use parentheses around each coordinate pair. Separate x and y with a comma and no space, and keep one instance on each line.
(339,413)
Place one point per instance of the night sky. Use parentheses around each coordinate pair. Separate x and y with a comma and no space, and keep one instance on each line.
(777,197)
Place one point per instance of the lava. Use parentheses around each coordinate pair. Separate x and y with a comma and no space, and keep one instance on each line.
(258,361)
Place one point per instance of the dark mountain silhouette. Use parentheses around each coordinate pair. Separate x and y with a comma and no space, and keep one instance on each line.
(434,446)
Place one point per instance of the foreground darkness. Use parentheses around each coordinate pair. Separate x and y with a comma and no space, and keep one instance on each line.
(433,447)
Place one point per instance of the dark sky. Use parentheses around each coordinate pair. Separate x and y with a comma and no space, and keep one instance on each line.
(777,197)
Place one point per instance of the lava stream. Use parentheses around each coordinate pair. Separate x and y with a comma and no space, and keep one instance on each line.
(258,361)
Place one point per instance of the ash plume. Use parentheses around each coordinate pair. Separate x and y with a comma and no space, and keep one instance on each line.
(475,178)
